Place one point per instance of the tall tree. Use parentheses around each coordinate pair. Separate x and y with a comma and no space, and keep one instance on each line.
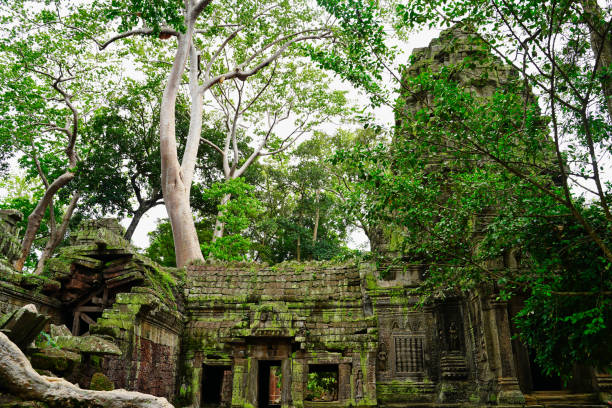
(271,29)
(44,97)
(302,218)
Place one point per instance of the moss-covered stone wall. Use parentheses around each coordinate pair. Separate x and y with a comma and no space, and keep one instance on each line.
(299,314)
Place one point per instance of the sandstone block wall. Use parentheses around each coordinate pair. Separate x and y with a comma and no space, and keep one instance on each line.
(300,316)
(148,333)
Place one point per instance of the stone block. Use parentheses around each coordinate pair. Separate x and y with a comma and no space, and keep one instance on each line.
(56,360)
(24,325)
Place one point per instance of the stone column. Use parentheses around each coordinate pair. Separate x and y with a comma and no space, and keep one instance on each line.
(298,379)
(509,390)
(251,391)
(286,383)
(344,382)
(239,382)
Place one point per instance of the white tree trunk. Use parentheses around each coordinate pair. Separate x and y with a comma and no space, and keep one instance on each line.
(190,155)
(176,192)
(57,234)
(20,379)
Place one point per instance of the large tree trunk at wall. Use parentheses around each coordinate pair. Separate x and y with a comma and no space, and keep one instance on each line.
(20,379)
(57,235)
(35,218)
(220,225)
(175,191)
(601,44)
(190,156)
(376,236)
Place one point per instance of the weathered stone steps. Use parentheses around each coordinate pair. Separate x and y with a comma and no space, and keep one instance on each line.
(562,399)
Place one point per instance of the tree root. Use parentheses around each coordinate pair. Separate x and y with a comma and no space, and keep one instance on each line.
(20,379)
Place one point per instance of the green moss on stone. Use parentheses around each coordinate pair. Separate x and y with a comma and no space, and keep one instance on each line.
(100,382)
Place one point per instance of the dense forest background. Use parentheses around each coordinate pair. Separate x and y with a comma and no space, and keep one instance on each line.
(235,116)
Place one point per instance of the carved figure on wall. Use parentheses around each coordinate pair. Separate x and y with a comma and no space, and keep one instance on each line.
(442,339)
(483,346)
(359,386)
(415,325)
(368,309)
(453,337)
(382,357)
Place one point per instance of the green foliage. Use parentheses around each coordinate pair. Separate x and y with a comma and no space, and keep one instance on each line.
(294,188)
(360,52)
(322,386)
(567,315)
(237,215)
(155,14)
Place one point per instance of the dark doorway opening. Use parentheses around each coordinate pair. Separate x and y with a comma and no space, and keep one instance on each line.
(541,381)
(216,379)
(269,384)
(322,382)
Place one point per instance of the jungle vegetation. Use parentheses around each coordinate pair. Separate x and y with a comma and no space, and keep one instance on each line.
(235,116)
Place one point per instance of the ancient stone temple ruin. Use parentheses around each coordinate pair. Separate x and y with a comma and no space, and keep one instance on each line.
(250,335)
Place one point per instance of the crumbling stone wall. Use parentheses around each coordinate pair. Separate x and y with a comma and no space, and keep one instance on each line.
(101,274)
(148,333)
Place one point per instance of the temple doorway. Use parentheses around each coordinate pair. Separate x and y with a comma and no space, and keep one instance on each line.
(269,384)
(216,385)
(541,381)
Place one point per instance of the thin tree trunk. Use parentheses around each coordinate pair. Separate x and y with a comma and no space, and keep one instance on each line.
(35,218)
(190,155)
(316,222)
(175,192)
(134,223)
(136,218)
(220,225)
(601,45)
(57,234)
(299,246)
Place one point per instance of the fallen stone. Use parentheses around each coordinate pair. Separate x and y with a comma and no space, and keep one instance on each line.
(24,325)
(56,360)
(88,345)
(61,330)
